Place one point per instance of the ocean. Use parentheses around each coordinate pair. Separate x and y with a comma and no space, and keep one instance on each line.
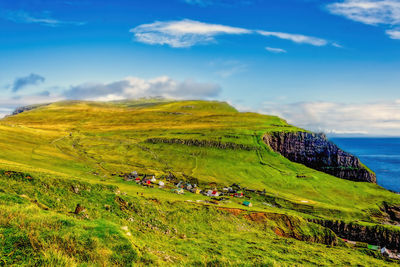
(382,155)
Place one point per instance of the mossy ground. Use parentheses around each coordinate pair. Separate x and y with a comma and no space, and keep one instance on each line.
(84,144)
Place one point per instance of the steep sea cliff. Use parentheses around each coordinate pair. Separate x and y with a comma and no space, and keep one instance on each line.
(317,152)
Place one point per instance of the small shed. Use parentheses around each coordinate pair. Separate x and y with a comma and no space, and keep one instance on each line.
(196,190)
(215,193)
(247,204)
(209,193)
(179,191)
(385,252)
(239,194)
(373,247)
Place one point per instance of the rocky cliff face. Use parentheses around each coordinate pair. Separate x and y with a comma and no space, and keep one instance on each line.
(372,234)
(27,108)
(317,152)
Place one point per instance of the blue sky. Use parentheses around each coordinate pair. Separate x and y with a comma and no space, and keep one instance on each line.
(331,66)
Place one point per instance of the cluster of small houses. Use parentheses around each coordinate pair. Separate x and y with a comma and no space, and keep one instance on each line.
(384,251)
(179,188)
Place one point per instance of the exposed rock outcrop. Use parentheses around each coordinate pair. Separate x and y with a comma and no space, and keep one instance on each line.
(317,152)
(372,234)
(201,143)
(393,212)
(27,108)
(294,227)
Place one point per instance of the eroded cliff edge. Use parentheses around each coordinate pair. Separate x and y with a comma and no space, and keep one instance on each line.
(317,152)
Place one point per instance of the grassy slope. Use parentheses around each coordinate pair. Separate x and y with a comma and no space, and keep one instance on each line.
(88,142)
(36,227)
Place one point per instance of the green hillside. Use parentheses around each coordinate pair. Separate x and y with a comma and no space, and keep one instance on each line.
(59,155)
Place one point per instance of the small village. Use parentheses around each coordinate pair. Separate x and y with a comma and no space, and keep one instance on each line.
(181,187)
(234,191)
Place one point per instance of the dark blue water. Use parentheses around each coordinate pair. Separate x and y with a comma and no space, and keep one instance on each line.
(382,155)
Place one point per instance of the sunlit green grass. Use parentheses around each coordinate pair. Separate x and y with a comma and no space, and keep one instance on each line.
(145,230)
(95,142)
(82,138)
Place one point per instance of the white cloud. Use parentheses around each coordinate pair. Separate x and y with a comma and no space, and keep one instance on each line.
(379,118)
(8,104)
(368,11)
(21,16)
(371,12)
(187,33)
(393,34)
(184,33)
(297,38)
(337,45)
(133,87)
(275,50)
(5,112)
(128,88)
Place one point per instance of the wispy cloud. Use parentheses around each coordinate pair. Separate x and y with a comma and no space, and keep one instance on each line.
(21,16)
(393,34)
(228,68)
(184,33)
(337,45)
(377,118)
(371,12)
(275,50)
(21,82)
(187,33)
(368,11)
(297,38)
